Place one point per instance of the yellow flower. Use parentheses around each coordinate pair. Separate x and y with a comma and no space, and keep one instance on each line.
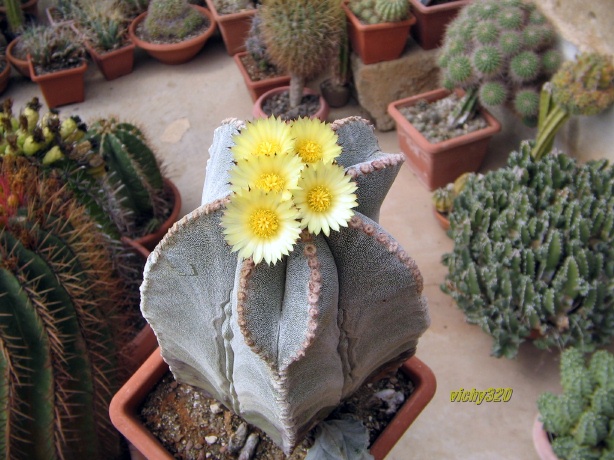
(315,141)
(265,136)
(325,198)
(275,173)
(260,225)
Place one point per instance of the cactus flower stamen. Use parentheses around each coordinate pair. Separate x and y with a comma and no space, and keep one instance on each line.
(319,199)
(264,223)
(315,141)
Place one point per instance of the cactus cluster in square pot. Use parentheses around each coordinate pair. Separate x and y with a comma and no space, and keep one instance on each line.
(281,295)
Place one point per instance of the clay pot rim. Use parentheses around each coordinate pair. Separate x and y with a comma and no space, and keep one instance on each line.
(393,110)
(237,57)
(442,219)
(541,441)
(437,8)
(227,17)
(321,114)
(56,73)
(92,49)
(125,403)
(148,46)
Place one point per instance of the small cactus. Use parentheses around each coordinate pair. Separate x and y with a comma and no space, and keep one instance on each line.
(533,251)
(586,430)
(378,11)
(584,86)
(294,30)
(168,20)
(505,42)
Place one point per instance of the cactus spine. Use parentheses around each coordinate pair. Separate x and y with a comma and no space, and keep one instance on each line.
(63,321)
(283,344)
(533,250)
(502,50)
(293,30)
(581,420)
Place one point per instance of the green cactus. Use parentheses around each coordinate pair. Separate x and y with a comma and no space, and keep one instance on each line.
(14,15)
(171,20)
(496,40)
(64,318)
(256,46)
(293,30)
(533,250)
(584,432)
(378,11)
(283,344)
(53,48)
(584,86)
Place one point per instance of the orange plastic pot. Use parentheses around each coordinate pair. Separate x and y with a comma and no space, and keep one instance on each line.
(259,87)
(257,111)
(61,87)
(113,64)
(431,21)
(234,27)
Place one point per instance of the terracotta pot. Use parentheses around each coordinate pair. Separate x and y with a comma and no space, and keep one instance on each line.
(29,7)
(442,219)
(173,53)
(541,441)
(138,350)
(21,65)
(335,95)
(438,164)
(257,111)
(61,87)
(5,75)
(431,21)
(54,19)
(113,64)
(377,42)
(127,401)
(258,88)
(234,27)
(150,240)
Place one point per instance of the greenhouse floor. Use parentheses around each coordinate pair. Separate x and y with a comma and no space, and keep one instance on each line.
(180,106)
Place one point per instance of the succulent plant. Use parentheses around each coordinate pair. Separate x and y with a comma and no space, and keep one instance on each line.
(293,30)
(534,252)
(502,50)
(64,319)
(282,344)
(53,48)
(232,6)
(377,11)
(443,197)
(14,15)
(581,420)
(256,46)
(584,86)
(169,20)
(104,24)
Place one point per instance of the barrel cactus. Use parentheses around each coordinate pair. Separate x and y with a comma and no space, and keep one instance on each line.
(282,342)
(377,11)
(499,51)
(581,420)
(534,252)
(64,316)
(294,30)
(169,20)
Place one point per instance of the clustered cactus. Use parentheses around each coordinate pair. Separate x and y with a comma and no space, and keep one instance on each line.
(64,315)
(581,420)
(283,344)
(443,197)
(499,51)
(534,252)
(53,48)
(584,86)
(104,23)
(233,6)
(171,20)
(109,167)
(377,11)
(294,30)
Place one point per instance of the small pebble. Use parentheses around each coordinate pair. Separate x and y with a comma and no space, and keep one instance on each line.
(210,439)
(215,408)
(173,385)
(237,439)
(250,447)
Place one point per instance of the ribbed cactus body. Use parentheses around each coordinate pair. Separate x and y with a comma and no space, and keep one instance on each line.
(63,318)
(585,431)
(282,345)
(392,10)
(533,250)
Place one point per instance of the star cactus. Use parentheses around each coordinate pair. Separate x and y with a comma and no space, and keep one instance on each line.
(282,344)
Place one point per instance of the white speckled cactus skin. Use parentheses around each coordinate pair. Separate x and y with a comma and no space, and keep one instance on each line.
(282,345)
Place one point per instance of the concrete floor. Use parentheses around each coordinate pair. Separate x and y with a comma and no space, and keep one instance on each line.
(179,107)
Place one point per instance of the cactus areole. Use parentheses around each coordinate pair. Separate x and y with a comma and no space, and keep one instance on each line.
(282,343)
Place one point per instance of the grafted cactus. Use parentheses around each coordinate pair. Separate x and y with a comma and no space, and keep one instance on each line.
(534,252)
(582,418)
(283,344)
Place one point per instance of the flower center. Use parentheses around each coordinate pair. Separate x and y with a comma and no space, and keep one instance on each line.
(270,182)
(264,223)
(310,151)
(267,148)
(319,198)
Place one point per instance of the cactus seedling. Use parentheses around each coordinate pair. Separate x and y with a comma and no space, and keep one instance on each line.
(501,50)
